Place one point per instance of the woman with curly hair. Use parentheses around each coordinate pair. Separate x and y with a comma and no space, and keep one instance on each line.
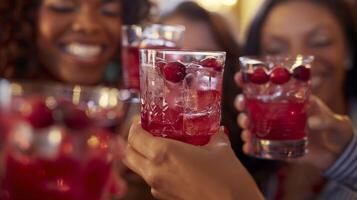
(70,41)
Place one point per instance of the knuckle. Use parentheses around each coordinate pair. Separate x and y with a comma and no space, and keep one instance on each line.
(153,180)
(155,193)
(132,135)
(162,155)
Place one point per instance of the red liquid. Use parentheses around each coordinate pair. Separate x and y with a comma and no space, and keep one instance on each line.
(68,176)
(130,59)
(61,179)
(277,120)
(177,123)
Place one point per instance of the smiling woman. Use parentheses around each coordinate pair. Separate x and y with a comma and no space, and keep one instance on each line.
(65,40)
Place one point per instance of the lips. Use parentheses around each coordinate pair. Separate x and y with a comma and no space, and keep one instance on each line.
(82,50)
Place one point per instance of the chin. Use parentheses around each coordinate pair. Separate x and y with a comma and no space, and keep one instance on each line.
(82,79)
(83,75)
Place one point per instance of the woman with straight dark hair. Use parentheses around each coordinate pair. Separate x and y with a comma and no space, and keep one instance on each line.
(324,29)
(214,34)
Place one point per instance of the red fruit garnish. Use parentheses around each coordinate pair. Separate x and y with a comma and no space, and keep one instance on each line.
(280,75)
(212,63)
(37,113)
(174,71)
(76,118)
(259,76)
(302,73)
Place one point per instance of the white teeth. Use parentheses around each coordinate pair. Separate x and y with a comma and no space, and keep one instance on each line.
(83,50)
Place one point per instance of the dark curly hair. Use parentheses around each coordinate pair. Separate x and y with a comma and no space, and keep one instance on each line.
(18,52)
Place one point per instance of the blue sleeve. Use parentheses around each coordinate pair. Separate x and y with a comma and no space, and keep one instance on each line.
(335,191)
(342,175)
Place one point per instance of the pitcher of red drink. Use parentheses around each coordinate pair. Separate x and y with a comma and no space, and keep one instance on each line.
(277,93)
(58,141)
(134,37)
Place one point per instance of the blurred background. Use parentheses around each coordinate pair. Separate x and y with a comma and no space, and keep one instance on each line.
(238,13)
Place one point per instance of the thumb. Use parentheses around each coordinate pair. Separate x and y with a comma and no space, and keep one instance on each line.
(219,140)
(320,116)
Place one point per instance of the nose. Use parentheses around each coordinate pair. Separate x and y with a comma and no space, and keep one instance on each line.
(299,48)
(87,21)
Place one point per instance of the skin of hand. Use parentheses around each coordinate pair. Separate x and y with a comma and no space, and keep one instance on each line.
(328,133)
(176,170)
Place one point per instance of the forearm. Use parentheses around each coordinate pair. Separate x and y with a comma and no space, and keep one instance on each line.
(244,187)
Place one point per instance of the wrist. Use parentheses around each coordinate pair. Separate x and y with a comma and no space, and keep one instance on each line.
(244,187)
(344,130)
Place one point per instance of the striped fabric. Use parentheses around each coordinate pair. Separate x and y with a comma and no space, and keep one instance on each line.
(343,175)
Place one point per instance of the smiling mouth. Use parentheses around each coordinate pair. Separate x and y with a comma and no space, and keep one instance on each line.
(83,51)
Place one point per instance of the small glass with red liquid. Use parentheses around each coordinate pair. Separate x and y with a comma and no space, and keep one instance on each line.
(59,143)
(134,37)
(277,93)
(181,94)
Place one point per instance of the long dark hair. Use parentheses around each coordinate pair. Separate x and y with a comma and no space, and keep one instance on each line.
(18,52)
(226,41)
(338,8)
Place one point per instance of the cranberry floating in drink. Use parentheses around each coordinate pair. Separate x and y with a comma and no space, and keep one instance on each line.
(277,92)
(181,94)
(57,146)
(154,36)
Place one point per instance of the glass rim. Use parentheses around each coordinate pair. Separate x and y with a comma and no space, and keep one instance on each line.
(185,52)
(53,87)
(133,26)
(178,28)
(265,58)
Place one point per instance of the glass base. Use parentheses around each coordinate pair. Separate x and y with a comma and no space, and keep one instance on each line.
(278,149)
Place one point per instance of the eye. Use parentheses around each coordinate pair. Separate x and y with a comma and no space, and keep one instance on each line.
(61,6)
(320,41)
(111,9)
(274,49)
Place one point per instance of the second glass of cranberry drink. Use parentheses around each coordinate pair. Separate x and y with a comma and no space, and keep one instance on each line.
(131,38)
(277,92)
(181,94)
(59,143)
(154,36)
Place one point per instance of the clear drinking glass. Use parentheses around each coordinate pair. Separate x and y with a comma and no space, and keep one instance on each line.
(277,92)
(59,142)
(181,93)
(134,37)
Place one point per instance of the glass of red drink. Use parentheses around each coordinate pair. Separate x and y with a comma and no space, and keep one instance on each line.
(59,143)
(151,36)
(277,92)
(181,93)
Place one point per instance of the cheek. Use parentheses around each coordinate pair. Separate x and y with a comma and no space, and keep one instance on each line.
(50,27)
(113,28)
(330,75)
(335,58)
